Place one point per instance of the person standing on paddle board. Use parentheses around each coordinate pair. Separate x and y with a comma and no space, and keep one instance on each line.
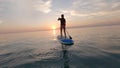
(62,25)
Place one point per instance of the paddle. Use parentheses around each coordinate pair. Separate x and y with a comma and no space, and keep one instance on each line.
(69,35)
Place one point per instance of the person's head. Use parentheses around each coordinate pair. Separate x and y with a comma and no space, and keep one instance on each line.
(62,15)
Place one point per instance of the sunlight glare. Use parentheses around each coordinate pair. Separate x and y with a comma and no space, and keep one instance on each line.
(53,27)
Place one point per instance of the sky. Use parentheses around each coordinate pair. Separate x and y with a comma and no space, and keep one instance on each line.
(22,15)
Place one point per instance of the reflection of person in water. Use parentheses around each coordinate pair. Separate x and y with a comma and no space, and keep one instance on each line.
(65,56)
(62,25)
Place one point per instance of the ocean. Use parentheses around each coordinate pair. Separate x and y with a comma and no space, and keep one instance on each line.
(94,47)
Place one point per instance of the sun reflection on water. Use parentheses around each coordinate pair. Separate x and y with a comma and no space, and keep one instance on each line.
(54,34)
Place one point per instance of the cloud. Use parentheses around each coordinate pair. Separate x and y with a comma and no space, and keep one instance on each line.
(18,11)
(1,22)
(85,8)
(43,6)
(12,9)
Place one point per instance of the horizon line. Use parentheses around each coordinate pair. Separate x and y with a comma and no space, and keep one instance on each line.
(85,26)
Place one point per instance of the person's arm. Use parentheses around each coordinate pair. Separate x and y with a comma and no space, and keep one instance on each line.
(59,19)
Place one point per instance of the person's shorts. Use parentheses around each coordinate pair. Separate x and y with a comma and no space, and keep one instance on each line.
(62,26)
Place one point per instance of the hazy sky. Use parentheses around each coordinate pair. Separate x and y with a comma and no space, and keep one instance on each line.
(18,15)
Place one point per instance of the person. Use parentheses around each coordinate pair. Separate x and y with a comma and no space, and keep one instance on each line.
(62,25)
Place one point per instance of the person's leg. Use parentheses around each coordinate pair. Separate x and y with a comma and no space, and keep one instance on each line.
(61,31)
(64,31)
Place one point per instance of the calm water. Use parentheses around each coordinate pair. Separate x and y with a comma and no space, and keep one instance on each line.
(97,47)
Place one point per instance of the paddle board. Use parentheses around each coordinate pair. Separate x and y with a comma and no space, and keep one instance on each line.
(65,41)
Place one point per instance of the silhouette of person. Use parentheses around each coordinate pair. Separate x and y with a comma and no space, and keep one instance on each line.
(62,25)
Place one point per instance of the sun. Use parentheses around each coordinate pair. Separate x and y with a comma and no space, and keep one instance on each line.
(53,27)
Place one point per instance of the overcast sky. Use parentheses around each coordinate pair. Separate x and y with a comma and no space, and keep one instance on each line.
(42,14)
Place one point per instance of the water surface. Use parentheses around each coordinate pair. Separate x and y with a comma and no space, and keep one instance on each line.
(94,47)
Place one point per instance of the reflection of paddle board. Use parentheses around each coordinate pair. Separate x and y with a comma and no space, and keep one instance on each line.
(65,41)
